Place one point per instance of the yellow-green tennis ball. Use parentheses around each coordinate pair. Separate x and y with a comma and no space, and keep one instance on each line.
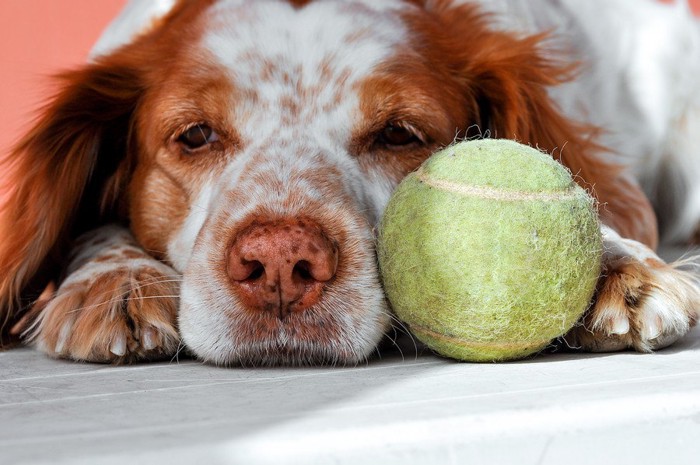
(489,251)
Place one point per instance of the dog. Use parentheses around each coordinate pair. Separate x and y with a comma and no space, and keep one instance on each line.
(214,176)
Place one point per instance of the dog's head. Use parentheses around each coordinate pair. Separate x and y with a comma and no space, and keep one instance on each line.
(253,146)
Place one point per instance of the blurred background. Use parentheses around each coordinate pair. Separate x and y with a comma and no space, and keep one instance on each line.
(40,38)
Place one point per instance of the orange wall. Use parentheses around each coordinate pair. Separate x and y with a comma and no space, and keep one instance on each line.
(695,4)
(39,38)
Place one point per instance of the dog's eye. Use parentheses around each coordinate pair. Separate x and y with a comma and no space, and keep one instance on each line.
(397,136)
(198,136)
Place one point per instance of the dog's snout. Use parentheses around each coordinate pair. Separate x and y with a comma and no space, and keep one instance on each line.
(281,266)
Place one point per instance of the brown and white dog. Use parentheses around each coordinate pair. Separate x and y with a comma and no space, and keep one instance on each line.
(216,173)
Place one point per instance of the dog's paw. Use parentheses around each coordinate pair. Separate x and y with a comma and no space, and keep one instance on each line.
(641,302)
(118,306)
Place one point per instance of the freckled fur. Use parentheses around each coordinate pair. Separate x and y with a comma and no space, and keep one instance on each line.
(642,303)
(103,300)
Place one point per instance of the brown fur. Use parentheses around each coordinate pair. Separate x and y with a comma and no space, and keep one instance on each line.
(75,146)
(506,80)
(71,169)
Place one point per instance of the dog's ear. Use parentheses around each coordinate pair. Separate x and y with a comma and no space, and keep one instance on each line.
(507,77)
(56,175)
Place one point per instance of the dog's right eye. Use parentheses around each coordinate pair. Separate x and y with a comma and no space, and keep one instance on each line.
(198,136)
(398,136)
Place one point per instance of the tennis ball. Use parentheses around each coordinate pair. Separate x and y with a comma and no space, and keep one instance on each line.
(489,251)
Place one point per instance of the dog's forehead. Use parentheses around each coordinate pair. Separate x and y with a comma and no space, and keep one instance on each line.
(299,70)
(322,41)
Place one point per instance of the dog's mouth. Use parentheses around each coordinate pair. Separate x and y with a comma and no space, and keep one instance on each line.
(335,332)
(232,314)
(311,338)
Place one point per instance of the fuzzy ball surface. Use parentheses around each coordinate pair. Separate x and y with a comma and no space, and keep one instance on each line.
(489,251)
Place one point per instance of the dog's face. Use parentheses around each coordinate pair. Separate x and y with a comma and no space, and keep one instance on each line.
(275,114)
(253,145)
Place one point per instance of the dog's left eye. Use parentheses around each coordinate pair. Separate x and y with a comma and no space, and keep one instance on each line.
(397,136)
(198,136)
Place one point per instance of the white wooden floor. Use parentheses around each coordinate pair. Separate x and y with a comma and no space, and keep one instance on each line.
(577,408)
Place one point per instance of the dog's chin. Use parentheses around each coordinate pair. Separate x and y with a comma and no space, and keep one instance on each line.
(315,337)
(343,329)
(291,353)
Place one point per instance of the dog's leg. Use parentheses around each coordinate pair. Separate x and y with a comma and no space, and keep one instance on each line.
(116,304)
(641,302)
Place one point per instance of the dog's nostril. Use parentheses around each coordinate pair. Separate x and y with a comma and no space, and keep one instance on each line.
(245,270)
(302,271)
(256,271)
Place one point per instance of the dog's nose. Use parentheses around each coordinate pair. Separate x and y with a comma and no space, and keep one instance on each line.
(282,266)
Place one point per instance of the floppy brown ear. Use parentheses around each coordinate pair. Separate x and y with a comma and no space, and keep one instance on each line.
(58,172)
(507,77)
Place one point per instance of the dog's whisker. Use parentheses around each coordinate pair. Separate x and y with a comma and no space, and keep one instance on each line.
(180,348)
(119,300)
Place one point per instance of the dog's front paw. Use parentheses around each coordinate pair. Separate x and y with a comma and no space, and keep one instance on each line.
(120,305)
(642,303)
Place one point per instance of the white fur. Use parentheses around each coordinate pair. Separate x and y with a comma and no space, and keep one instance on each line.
(135,19)
(638,82)
(303,45)
(180,247)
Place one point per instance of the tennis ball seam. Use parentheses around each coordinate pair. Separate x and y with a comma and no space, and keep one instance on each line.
(471,344)
(490,193)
